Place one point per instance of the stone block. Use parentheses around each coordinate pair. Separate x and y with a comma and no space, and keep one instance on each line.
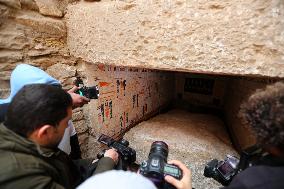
(222,37)
(12,3)
(80,126)
(49,7)
(39,23)
(10,56)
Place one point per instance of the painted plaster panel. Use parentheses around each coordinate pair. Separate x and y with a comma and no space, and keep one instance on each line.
(200,90)
(127,96)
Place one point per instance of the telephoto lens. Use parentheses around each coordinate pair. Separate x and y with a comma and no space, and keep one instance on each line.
(159,148)
(156,167)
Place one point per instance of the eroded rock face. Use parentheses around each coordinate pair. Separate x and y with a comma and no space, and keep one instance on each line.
(226,37)
(192,138)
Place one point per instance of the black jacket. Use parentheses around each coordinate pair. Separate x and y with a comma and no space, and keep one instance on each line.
(3,110)
(268,174)
(24,164)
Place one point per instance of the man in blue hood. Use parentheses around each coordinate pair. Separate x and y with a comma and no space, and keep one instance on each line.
(25,74)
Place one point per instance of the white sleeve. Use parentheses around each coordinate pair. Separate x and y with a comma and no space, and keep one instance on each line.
(72,128)
(64,144)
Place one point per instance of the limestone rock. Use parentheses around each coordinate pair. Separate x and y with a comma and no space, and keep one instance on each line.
(46,61)
(29,4)
(12,3)
(77,116)
(80,126)
(4,11)
(49,7)
(222,37)
(64,73)
(40,52)
(12,37)
(4,93)
(10,56)
(42,24)
(7,67)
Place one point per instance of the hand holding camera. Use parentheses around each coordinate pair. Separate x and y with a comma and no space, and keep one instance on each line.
(185,181)
(111,153)
(165,175)
(126,156)
(87,92)
(78,100)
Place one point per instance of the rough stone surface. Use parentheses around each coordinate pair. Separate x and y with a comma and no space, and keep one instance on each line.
(49,7)
(12,3)
(237,93)
(29,5)
(64,73)
(10,56)
(77,116)
(42,24)
(12,37)
(80,126)
(192,138)
(224,37)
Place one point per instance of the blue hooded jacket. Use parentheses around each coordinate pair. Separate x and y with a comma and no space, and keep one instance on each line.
(25,74)
(22,75)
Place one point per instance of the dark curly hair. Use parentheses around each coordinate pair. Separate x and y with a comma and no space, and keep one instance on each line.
(264,114)
(36,105)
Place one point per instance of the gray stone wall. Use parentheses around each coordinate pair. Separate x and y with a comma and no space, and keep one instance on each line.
(237,37)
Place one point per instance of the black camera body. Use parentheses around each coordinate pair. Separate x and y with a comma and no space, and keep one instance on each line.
(89,92)
(156,167)
(127,155)
(224,171)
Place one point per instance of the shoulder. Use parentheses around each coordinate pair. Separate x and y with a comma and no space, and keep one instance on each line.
(259,177)
(19,169)
(21,162)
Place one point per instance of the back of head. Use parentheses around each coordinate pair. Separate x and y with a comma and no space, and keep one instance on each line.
(264,114)
(117,180)
(25,74)
(36,105)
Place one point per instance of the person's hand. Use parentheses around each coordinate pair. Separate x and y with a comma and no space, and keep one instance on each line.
(185,182)
(111,153)
(78,100)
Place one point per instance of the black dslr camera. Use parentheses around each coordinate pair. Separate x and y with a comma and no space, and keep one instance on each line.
(89,92)
(127,155)
(223,171)
(156,167)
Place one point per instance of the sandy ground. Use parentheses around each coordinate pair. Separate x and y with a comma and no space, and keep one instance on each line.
(192,138)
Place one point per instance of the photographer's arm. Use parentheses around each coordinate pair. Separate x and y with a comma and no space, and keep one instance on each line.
(78,100)
(185,182)
(107,162)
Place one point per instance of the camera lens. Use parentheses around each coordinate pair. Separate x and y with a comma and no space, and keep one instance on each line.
(159,148)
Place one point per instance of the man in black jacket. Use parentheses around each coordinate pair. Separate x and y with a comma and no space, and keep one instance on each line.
(264,114)
(35,123)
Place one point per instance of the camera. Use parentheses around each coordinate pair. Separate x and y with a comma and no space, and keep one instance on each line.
(89,92)
(127,155)
(224,171)
(156,167)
